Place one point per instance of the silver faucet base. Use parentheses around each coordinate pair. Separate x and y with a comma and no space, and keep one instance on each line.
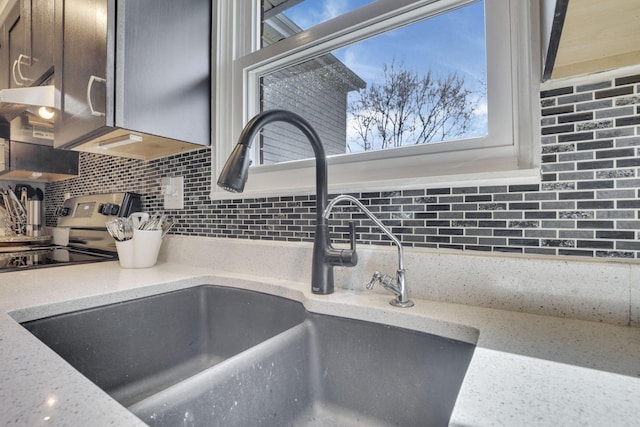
(402,304)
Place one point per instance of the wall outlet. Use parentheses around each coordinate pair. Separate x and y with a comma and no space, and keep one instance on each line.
(173,189)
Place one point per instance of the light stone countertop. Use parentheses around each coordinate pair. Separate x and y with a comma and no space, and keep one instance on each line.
(527,369)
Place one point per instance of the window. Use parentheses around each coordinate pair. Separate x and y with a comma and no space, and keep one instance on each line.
(284,18)
(424,82)
(309,68)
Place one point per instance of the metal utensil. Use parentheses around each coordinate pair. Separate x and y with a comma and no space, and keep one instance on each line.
(23,196)
(154,223)
(127,228)
(17,213)
(121,229)
(112,228)
(166,226)
(138,218)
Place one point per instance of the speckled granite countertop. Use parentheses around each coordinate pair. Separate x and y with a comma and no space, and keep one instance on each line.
(526,370)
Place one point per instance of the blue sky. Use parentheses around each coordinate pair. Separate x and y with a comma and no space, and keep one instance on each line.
(449,43)
(452,42)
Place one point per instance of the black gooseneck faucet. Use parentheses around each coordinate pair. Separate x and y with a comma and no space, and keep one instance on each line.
(234,176)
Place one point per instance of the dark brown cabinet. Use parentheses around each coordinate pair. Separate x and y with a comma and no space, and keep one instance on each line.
(82,73)
(38,20)
(27,45)
(18,60)
(133,76)
(9,41)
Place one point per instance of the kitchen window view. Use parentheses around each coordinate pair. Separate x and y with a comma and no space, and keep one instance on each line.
(399,92)
(420,83)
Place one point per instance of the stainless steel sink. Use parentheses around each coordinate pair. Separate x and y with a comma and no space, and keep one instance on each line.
(220,356)
(139,347)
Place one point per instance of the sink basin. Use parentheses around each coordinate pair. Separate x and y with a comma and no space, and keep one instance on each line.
(221,356)
(136,348)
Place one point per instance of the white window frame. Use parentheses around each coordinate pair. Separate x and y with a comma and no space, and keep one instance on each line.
(509,153)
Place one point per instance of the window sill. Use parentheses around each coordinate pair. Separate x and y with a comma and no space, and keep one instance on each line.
(384,175)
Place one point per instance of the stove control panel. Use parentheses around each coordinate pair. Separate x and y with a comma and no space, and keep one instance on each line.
(90,211)
(109,209)
(62,211)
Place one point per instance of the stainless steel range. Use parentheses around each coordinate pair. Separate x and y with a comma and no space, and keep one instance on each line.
(88,239)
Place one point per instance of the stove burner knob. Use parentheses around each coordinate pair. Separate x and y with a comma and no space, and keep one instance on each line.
(109,209)
(62,211)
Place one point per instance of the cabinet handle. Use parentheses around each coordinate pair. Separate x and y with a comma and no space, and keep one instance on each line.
(20,79)
(13,74)
(92,80)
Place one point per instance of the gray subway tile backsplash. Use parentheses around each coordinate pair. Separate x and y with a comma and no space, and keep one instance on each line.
(588,203)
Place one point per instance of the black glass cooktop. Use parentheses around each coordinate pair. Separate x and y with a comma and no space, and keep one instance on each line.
(49,256)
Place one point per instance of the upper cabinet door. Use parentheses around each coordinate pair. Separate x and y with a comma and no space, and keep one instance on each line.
(12,17)
(145,69)
(28,38)
(83,72)
(18,53)
(39,37)
(163,63)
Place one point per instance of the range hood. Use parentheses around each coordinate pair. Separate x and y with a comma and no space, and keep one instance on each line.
(26,151)
(17,100)
(21,161)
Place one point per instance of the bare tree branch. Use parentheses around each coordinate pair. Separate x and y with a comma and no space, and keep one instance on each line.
(410,109)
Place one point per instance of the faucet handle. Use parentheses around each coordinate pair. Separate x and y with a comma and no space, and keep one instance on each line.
(352,235)
(376,278)
(385,281)
(349,257)
(343,257)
